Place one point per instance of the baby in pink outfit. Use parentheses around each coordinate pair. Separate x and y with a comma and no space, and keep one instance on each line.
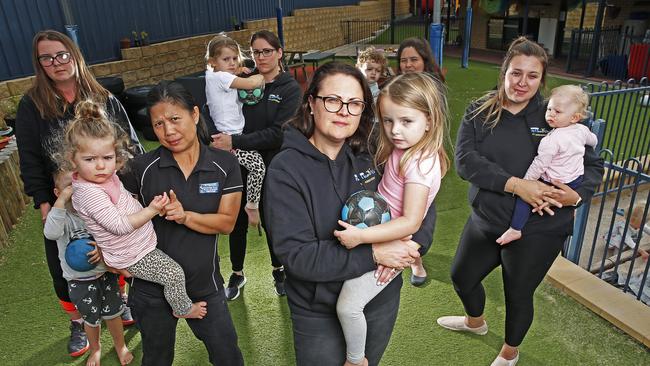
(560,153)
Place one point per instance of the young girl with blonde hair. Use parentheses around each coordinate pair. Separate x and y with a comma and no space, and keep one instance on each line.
(412,111)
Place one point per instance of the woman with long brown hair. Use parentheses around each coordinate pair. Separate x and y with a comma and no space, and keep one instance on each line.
(62,79)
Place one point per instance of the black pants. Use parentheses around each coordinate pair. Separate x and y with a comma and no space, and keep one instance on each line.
(158,329)
(54,265)
(237,238)
(524,263)
(319,340)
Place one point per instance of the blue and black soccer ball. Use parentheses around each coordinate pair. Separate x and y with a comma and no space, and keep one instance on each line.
(365,208)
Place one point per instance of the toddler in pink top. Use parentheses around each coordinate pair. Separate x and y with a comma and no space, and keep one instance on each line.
(560,153)
(94,148)
(412,112)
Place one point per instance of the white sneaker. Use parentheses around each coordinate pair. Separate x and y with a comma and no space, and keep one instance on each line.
(457,323)
(500,361)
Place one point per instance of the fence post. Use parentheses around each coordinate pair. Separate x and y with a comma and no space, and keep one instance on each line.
(568,59)
(582,213)
(392,21)
(596,40)
(467,37)
(436,41)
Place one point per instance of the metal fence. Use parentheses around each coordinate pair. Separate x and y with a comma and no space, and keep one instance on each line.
(619,55)
(607,241)
(384,31)
(102,23)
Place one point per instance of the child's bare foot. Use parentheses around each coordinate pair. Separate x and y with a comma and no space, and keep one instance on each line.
(253,216)
(363,362)
(510,235)
(124,355)
(197,311)
(94,358)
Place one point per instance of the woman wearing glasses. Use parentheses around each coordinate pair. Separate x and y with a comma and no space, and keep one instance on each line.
(324,160)
(262,132)
(62,79)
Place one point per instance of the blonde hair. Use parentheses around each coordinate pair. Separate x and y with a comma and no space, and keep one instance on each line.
(90,121)
(219,42)
(50,103)
(371,54)
(493,102)
(426,94)
(575,95)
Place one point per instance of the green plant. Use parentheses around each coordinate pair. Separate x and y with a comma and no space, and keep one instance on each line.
(9,106)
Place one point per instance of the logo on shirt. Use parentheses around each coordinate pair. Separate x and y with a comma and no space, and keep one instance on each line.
(365,177)
(209,188)
(275,98)
(539,131)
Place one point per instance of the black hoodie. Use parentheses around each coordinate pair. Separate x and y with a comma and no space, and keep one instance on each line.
(264,120)
(304,193)
(487,158)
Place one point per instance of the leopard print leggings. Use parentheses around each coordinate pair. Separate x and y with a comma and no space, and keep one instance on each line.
(160,268)
(252,161)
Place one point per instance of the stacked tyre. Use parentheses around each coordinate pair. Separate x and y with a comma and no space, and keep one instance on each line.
(135,101)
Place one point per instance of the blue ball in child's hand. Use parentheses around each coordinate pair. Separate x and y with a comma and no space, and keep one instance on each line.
(76,255)
(365,208)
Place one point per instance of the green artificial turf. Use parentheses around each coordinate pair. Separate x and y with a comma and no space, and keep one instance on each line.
(33,329)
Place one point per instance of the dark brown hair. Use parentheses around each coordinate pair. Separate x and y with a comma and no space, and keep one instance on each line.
(304,120)
(272,39)
(424,50)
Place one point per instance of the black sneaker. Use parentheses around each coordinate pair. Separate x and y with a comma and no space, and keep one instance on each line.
(78,343)
(235,283)
(278,279)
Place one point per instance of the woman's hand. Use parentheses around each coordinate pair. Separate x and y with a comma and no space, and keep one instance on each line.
(95,255)
(394,253)
(384,274)
(534,193)
(45,208)
(222,141)
(562,196)
(174,210)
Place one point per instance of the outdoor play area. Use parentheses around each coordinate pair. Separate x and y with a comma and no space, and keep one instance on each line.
(593,308)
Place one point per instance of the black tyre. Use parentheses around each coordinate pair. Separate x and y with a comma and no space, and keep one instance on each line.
(136,97)
(113,84)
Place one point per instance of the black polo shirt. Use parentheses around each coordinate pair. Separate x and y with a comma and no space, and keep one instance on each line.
(216,173)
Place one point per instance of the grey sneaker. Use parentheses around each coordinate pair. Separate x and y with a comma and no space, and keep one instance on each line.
(78,342)
(278,281)
(235,283)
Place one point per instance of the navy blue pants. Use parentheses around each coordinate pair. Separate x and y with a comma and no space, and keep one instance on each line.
(158,329)
(523,210)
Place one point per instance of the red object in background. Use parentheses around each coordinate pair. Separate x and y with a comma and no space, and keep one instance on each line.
(639,55)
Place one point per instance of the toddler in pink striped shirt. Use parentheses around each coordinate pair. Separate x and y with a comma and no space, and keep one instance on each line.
(94,148)
(561,152)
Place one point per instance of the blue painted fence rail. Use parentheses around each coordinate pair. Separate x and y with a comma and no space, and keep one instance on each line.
(102,23)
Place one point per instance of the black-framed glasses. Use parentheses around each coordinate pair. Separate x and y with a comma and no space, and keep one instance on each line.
(48,60)
(266,52)
(334,104)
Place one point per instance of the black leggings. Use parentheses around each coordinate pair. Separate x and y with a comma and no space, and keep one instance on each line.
(54,265)
(237,238)
(524,264)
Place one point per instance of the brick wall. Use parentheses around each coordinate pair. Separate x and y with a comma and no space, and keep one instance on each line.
(306,29)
